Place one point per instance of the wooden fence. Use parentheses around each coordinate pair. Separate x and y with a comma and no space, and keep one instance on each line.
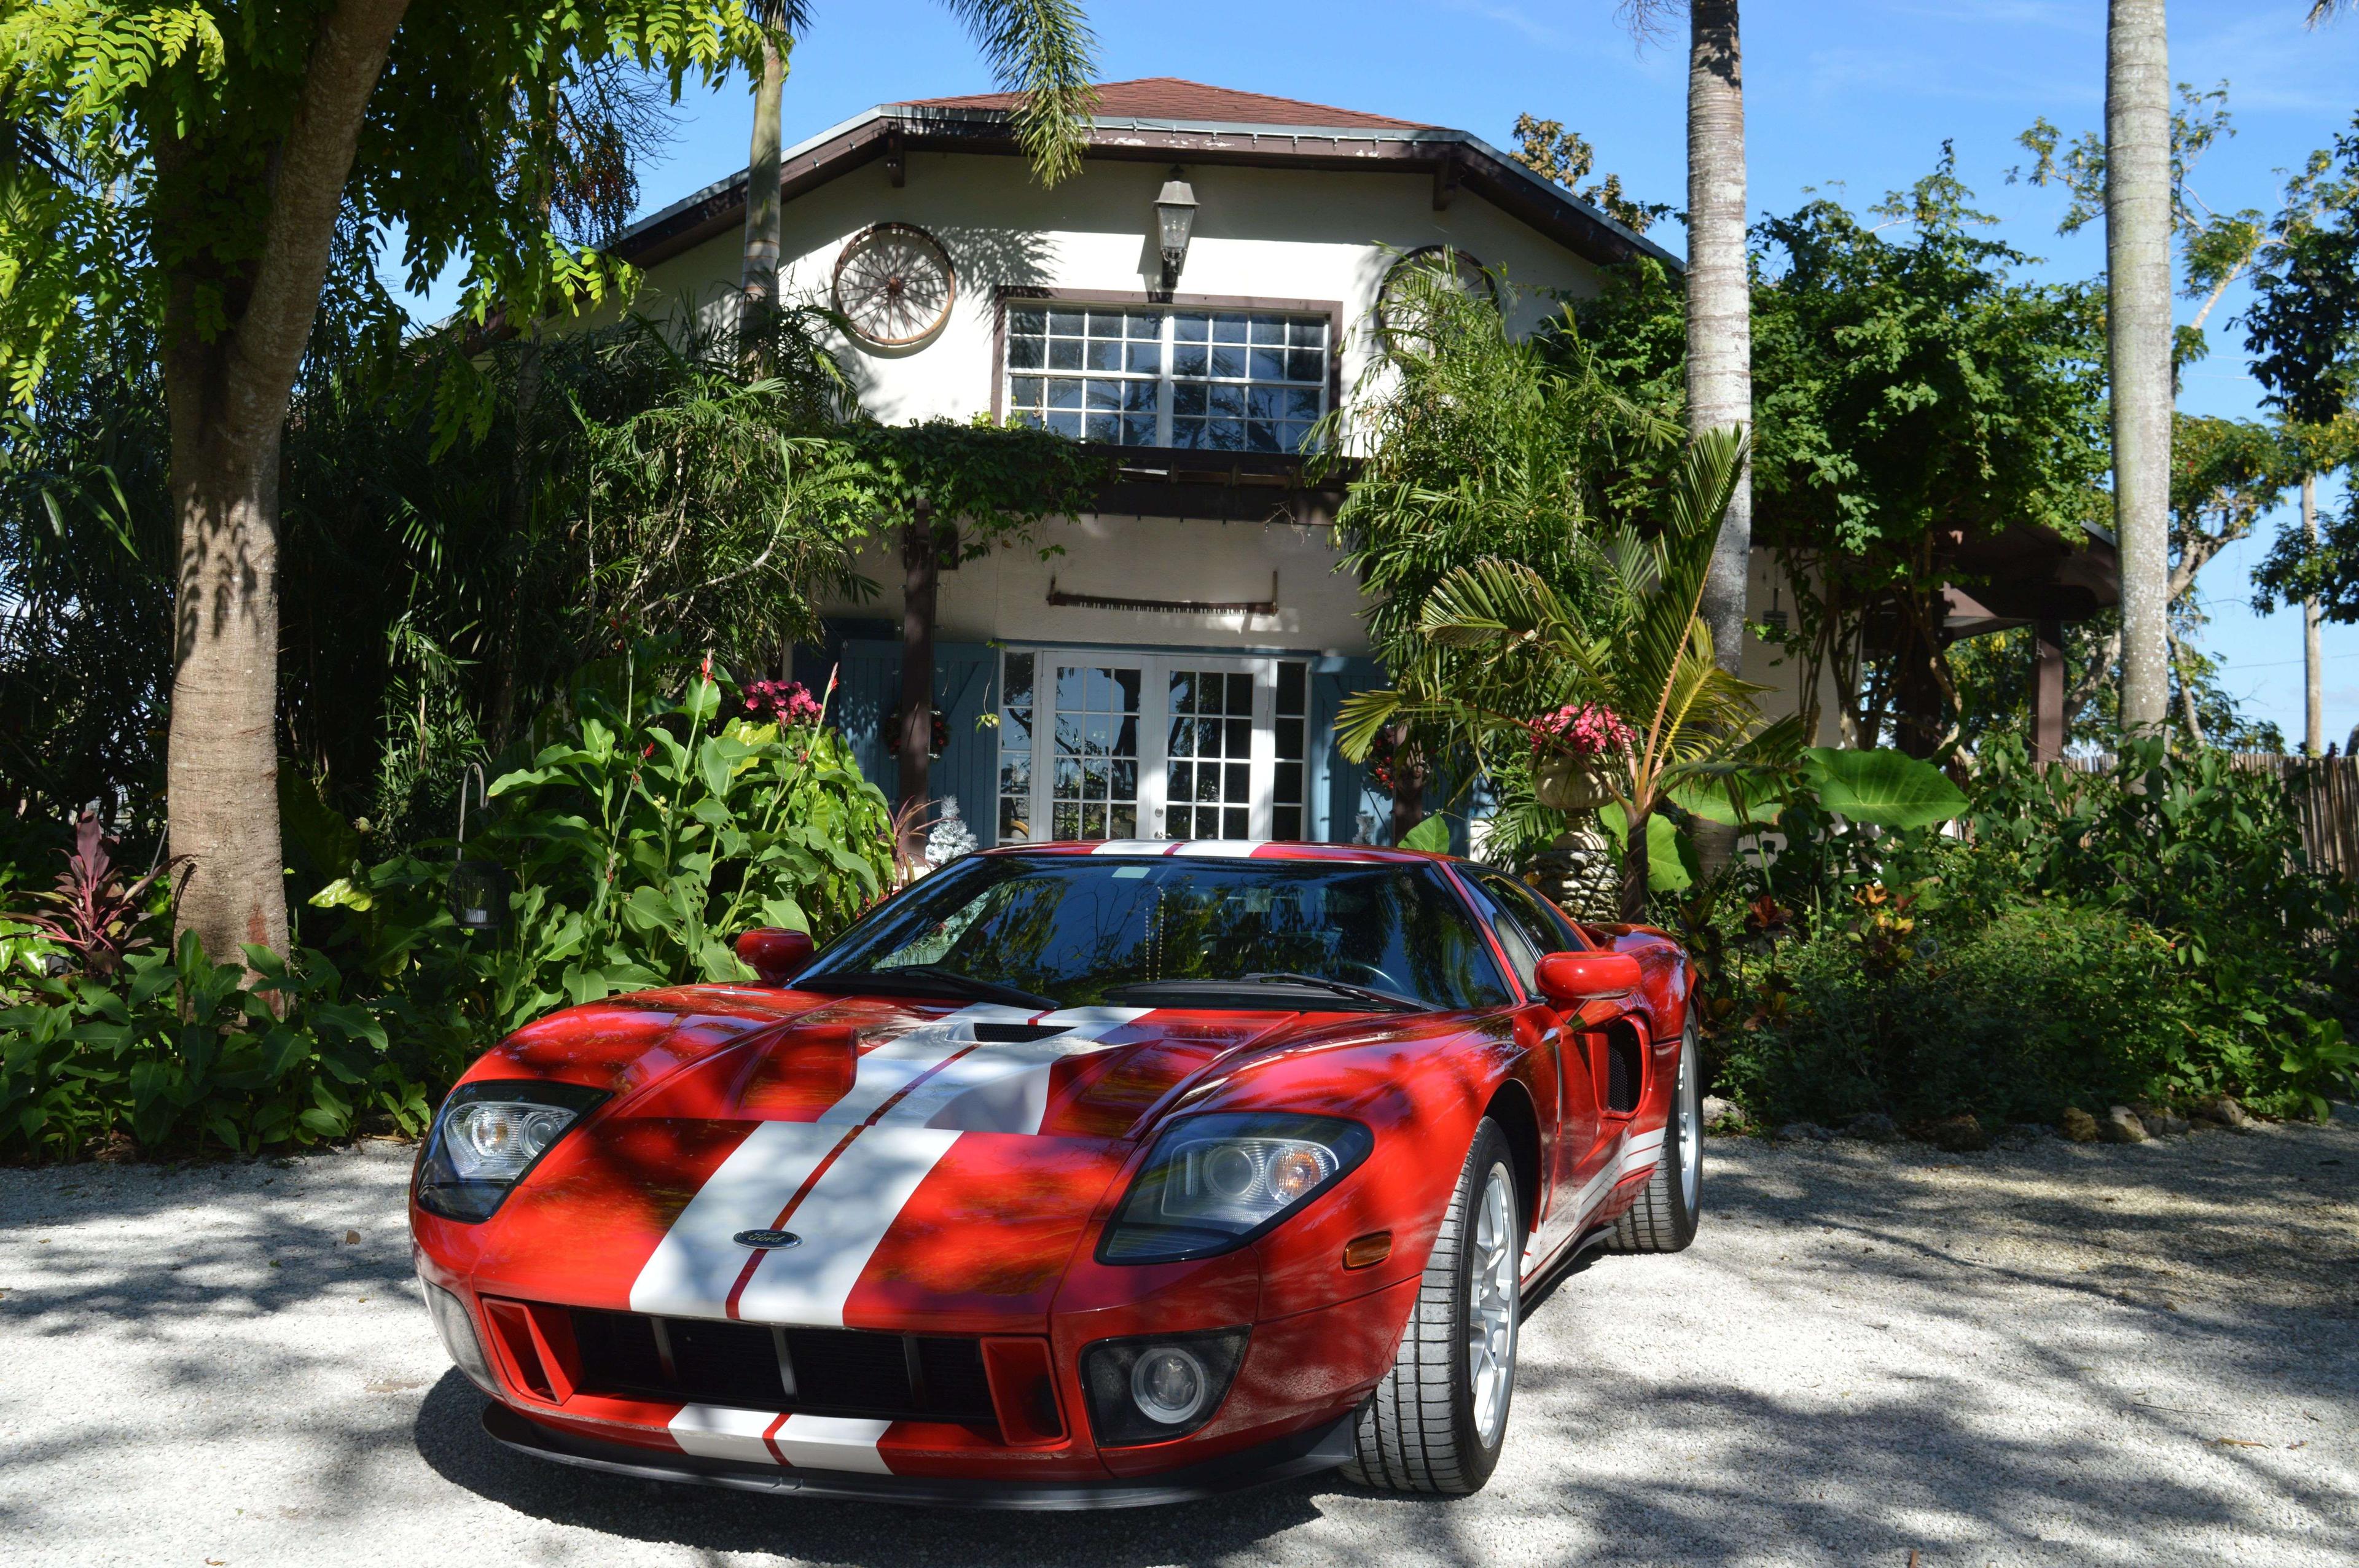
(2325,797)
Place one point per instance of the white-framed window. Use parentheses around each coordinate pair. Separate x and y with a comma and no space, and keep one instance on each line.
(1226,380)
(1116,743)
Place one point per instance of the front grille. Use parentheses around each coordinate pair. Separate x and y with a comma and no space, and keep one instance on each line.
(830,1371)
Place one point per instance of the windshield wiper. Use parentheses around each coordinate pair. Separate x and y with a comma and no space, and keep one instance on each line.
(1392,1000)
(933,979)
(1193,986)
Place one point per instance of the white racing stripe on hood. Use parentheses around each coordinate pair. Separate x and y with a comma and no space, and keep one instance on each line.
(857,1199)
(976,1086)
(693,1268)
(841,1221)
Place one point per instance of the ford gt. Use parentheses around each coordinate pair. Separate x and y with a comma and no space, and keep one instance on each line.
(1073,1175)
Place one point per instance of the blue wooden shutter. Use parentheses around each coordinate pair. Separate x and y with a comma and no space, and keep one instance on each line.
(1340,790)
(871,684)
(966,688)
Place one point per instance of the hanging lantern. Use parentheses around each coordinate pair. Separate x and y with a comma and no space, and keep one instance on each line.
(479,887)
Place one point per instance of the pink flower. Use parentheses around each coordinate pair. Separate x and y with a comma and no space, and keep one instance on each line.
(1589,731)
(785,702)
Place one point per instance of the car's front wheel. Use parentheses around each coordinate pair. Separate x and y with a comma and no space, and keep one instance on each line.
(1437,1422)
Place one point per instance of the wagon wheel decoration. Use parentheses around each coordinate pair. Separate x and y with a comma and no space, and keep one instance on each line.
(1395,316)
(895,285)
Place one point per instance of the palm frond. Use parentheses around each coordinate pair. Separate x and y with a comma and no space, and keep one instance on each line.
(1044,51)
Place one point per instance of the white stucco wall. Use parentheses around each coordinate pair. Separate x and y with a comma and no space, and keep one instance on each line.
(1311,235)
(1264,234)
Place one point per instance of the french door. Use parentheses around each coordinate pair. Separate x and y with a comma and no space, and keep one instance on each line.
(1116,744)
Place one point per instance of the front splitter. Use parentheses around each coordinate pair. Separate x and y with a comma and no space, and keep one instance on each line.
(1320,1448)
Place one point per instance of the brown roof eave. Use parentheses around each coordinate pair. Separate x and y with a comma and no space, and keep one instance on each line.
(1471,165)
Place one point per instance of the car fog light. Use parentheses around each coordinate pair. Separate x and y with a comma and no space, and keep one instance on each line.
(457,1331)
(1167,1385)
(1158,1387)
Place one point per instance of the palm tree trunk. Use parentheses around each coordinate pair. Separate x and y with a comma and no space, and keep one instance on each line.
(760,279)
(1636,871)
(2138,257)
(1720,316)
(2313,656)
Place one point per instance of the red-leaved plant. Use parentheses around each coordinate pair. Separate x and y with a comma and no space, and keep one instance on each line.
(98,917)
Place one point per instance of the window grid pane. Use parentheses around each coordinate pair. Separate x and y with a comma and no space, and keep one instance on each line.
(1094,788)
(1015,711)
(1293,726)
(1215,381)
(1210,777)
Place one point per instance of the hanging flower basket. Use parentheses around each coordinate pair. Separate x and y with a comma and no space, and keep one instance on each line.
(1576,753)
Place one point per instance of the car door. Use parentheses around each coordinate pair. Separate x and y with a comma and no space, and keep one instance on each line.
(1570,1119)
(1582,1132)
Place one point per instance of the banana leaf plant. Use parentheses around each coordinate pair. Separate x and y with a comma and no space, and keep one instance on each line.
(1503,647)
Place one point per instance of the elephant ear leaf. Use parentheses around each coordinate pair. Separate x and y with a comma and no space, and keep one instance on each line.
(1431,835)
(1887,788)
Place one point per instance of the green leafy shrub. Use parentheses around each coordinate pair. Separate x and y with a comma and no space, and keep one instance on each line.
(643,834)
(2152,932)
(638,843)
(176,1050)
(2047,1005)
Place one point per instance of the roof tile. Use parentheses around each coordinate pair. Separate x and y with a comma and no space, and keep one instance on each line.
(1172,98)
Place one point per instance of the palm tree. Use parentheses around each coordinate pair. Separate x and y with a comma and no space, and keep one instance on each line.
(1719,284)
(2137,282)
(1042,48)
(1507,647)
(2325,10)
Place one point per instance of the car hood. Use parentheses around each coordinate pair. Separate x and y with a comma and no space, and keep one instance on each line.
(933,1165)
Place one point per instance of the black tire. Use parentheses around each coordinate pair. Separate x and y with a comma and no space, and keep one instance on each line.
(1419,1432)
(1671,1202)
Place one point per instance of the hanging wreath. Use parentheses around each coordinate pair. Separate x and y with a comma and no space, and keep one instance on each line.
(942,733)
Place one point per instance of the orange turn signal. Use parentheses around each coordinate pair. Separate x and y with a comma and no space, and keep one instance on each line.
(1367,1251)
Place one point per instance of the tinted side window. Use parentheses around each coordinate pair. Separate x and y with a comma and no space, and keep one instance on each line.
(1523,953)
(1542,920)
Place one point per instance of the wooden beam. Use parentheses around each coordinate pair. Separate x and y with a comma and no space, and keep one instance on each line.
(2047,691)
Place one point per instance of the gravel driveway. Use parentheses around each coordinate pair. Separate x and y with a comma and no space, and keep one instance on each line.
(2057,1354)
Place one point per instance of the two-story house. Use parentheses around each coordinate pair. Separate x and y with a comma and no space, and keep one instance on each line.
(1194,301)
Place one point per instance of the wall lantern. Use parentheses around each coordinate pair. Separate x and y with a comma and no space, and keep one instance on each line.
(1175,218)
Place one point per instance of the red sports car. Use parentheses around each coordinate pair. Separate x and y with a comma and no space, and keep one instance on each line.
(1076,1175)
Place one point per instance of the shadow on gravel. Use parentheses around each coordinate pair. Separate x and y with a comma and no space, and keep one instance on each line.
(451,1439)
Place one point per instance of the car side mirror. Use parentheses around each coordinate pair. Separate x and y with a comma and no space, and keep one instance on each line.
(776,954)
(1568,979)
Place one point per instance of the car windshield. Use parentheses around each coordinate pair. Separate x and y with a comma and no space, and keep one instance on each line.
(1078,930)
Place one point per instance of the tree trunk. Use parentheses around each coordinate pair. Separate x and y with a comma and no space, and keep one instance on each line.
(2313,656)
(2138,256)
(1408,783)
(1720,313)
(760,280)
(222,769)
(1634,869)
(919,576)
(522,467)
(1918,710)
(226,385)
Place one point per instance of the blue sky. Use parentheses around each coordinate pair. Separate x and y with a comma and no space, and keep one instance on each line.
(1859,94)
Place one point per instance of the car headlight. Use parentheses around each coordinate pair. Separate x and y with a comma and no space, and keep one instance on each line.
(1214,1182)
(487,1136)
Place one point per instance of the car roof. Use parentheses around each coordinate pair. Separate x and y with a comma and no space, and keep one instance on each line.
(1227,849)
